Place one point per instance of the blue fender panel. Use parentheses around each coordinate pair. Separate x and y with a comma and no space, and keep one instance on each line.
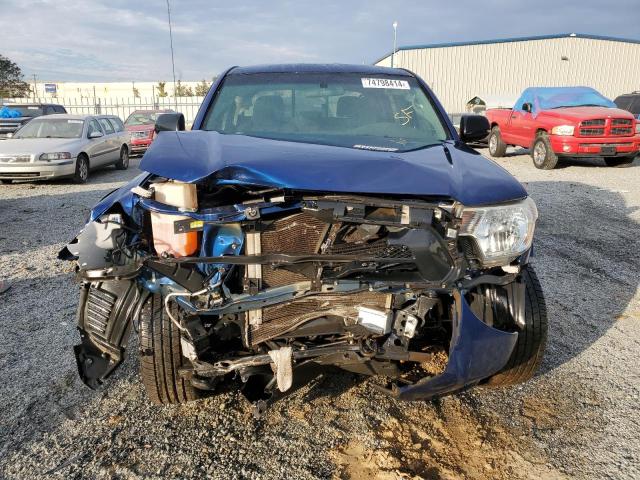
(477,351)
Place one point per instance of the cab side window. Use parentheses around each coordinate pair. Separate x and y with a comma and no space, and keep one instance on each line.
(106,125)
(118,126)
(93,127)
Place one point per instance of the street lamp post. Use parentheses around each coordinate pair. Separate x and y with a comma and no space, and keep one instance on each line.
(395,36)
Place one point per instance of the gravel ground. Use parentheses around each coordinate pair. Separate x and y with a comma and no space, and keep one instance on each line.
(576,419)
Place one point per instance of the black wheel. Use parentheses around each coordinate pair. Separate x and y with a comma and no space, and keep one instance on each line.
(542,154)
(123,163)
(532,338)
(161,355)
(82,169)
(497,148)
(6,182)
(620,162)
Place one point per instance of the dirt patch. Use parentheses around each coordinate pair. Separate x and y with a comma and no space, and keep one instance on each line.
(455,443)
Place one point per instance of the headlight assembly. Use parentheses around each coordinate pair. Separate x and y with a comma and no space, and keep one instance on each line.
(501,232)
(55,156)
(563,130)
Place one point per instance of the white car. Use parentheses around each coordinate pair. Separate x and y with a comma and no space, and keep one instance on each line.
(64,146)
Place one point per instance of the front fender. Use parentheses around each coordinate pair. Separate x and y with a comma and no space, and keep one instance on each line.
(476,352)
(122,196)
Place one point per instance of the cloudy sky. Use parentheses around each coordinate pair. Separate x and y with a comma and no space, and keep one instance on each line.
(123,40)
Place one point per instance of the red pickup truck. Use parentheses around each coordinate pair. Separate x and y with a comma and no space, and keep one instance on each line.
(556,122)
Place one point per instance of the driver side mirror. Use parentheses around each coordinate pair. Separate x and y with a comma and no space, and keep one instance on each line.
(526,107)
(95,134)
(474,128)
(169,122)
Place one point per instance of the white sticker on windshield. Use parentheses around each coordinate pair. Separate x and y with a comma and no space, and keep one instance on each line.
(75,121)
(385,83)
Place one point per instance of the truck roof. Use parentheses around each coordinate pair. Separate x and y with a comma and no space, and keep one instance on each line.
(319,68)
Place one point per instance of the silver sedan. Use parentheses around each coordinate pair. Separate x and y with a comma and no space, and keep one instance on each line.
(64,146)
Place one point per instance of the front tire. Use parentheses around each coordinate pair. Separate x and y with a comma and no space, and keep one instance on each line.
(81,174)
(542,154)
(620,162)
(532,338)
(497,148)
(161,356)
(123,162)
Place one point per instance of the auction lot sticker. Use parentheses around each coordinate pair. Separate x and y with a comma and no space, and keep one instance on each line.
(385,83)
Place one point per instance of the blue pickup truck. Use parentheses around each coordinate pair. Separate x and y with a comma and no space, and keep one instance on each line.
(316,216)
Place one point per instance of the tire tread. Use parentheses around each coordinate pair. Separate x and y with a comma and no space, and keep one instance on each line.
(161,356)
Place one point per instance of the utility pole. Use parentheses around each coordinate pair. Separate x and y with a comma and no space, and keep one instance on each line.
(35,87)
(173,65)
(395,36)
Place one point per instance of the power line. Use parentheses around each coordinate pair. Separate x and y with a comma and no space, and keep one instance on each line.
(173,65)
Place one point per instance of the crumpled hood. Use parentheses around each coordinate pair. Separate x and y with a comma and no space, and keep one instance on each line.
(449,171)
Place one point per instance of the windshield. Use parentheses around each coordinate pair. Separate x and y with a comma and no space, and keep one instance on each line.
(51,128)
(142,118)
(371,112)
(548,98)
(27,111)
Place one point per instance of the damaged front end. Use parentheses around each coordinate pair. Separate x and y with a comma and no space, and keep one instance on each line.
(272,287)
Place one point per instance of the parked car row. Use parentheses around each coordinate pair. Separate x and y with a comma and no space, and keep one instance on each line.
(43,141)
(561,122)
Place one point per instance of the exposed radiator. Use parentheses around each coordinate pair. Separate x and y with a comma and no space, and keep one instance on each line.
(282,318)
(299,234)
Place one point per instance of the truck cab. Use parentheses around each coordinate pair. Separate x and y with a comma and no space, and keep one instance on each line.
(565,122)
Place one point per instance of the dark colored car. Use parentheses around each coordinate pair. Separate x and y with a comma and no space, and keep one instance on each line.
(25,113)
(316,217)
(140,124)
(629,102)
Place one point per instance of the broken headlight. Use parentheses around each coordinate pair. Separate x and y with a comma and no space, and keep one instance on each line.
(501,232)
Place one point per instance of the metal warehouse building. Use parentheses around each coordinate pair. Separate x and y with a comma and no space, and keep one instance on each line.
(457,72)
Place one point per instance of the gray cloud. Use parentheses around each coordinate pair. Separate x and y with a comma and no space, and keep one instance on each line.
(123,40)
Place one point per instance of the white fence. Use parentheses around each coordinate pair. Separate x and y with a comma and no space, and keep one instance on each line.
(121,107)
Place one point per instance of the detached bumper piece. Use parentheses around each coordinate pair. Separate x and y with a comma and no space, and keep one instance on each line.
(477,351)
(104,322)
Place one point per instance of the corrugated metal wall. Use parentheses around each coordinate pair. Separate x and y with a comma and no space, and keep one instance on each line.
(458,73)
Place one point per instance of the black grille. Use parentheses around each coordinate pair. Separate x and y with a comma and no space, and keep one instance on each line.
(621,121)
(592,132)
(99,307)
(593,123)
(378,248)
(621,131)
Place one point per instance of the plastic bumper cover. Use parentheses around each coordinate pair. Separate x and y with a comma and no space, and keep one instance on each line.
(477,351)
(37,170)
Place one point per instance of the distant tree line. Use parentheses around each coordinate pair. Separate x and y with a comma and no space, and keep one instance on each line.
(181,90)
